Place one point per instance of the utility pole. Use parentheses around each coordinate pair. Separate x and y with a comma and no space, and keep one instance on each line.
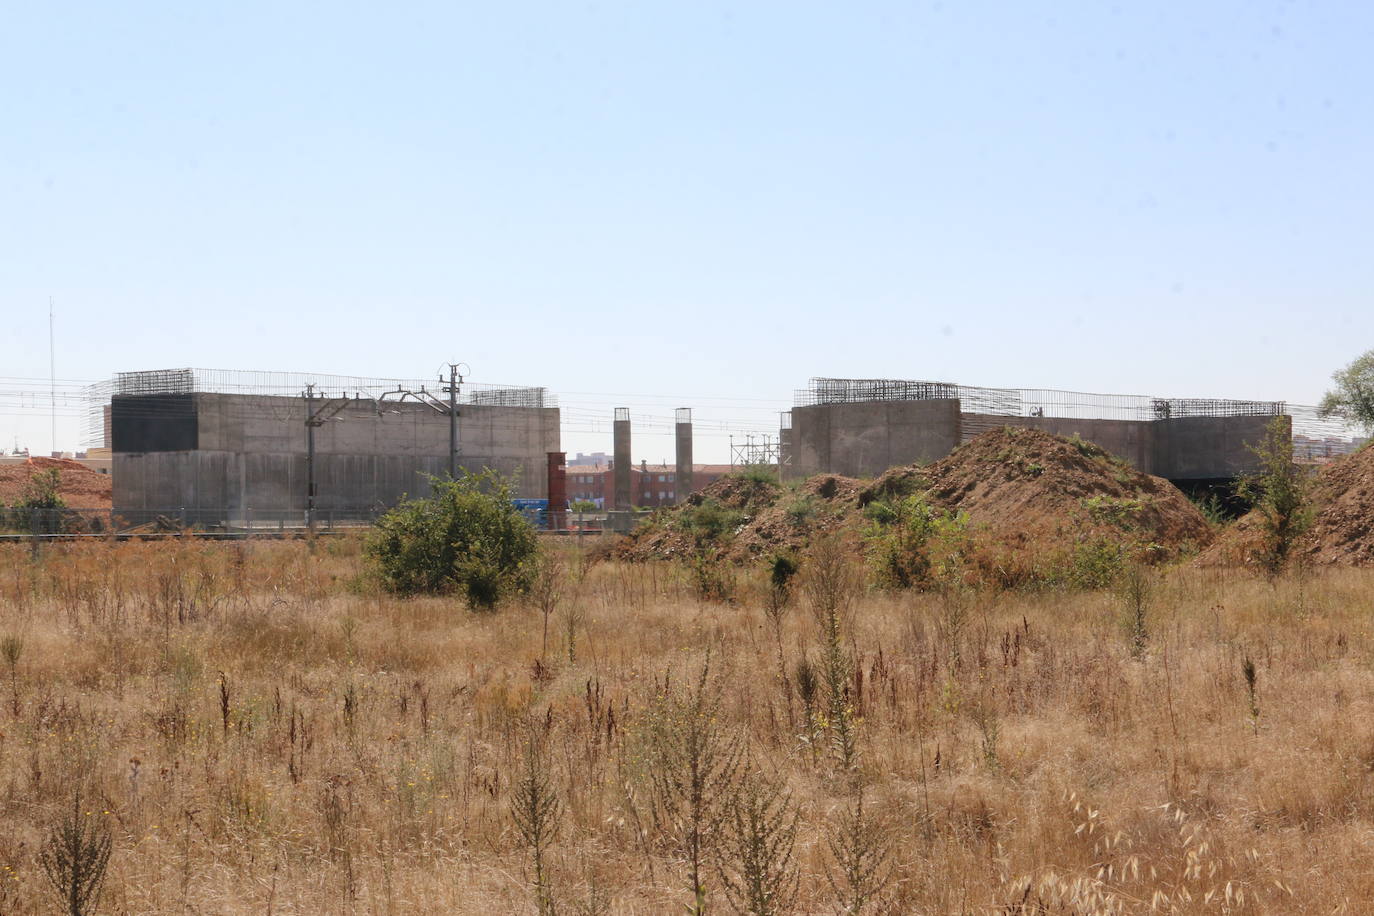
(52,374)
(313,420)
(310,423)
(454,380)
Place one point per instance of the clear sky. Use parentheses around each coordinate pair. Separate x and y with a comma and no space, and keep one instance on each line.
(697,203)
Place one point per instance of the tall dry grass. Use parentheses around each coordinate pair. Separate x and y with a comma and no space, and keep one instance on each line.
(265,736)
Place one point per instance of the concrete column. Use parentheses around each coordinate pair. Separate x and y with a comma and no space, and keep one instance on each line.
(683,486)
(558,490)
(621,429)
(784,444)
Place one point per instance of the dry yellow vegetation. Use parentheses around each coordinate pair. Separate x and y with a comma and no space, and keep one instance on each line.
(263,735)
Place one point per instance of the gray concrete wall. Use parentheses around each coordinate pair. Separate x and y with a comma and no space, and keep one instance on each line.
(252,454)
(866,438)
(1204,448)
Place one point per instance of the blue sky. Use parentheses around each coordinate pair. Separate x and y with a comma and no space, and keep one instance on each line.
(701,204)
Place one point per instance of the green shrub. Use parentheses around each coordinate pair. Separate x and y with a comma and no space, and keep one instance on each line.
(1120,512)
(759,473)
(1281,492)
(912,544)
(40,505)
(466,537)
(1097,563)
(713,579)
(709,521)
(801,510)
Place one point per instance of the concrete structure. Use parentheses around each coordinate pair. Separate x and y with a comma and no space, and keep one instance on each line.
(863,438)
(621,467)
(215,456)
(684,454)
(786,451)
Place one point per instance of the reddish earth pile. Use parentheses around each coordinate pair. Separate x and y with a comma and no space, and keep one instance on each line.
(79,486)
(1025,492)
(1342,533)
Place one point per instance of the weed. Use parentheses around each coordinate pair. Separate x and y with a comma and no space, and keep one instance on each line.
(694,772)
(537,812)
(760,876)
(74,858)
(861,855)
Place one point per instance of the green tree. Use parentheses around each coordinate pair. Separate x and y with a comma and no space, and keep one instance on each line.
(40,505)
(1279,491)
(467,536)
(1353,396)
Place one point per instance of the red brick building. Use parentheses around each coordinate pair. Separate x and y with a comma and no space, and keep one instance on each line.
(651,485)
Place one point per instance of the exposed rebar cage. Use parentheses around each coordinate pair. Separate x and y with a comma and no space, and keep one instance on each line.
(1315,435)
(683,415)
(1030,402)
(290,384)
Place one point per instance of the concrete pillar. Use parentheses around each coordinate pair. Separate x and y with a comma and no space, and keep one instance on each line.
(621,429)
(784,444)
(558,490)
(683,486)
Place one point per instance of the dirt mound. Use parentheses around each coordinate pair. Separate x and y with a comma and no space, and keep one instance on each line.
(1029,489)
(1026,494)
(735,491)
(821,503)
(760,516)
(1342,533)
(79,486)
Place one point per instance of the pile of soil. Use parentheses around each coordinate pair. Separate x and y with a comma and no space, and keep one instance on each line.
(79,486)
(1342,533)
(1024,491)
(826,502)
(663,539)
(1029,490)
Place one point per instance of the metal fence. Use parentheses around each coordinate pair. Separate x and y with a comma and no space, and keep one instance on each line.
(19,523)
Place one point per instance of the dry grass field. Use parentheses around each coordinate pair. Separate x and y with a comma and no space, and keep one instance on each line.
(262,734)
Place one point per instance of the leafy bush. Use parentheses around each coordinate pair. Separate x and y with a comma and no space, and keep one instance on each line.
(466,537)
(912,544)
(709,521)
(1280,491)
(1097,563)
(801,509)
(40,505)
(759,473)
(1120,512)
